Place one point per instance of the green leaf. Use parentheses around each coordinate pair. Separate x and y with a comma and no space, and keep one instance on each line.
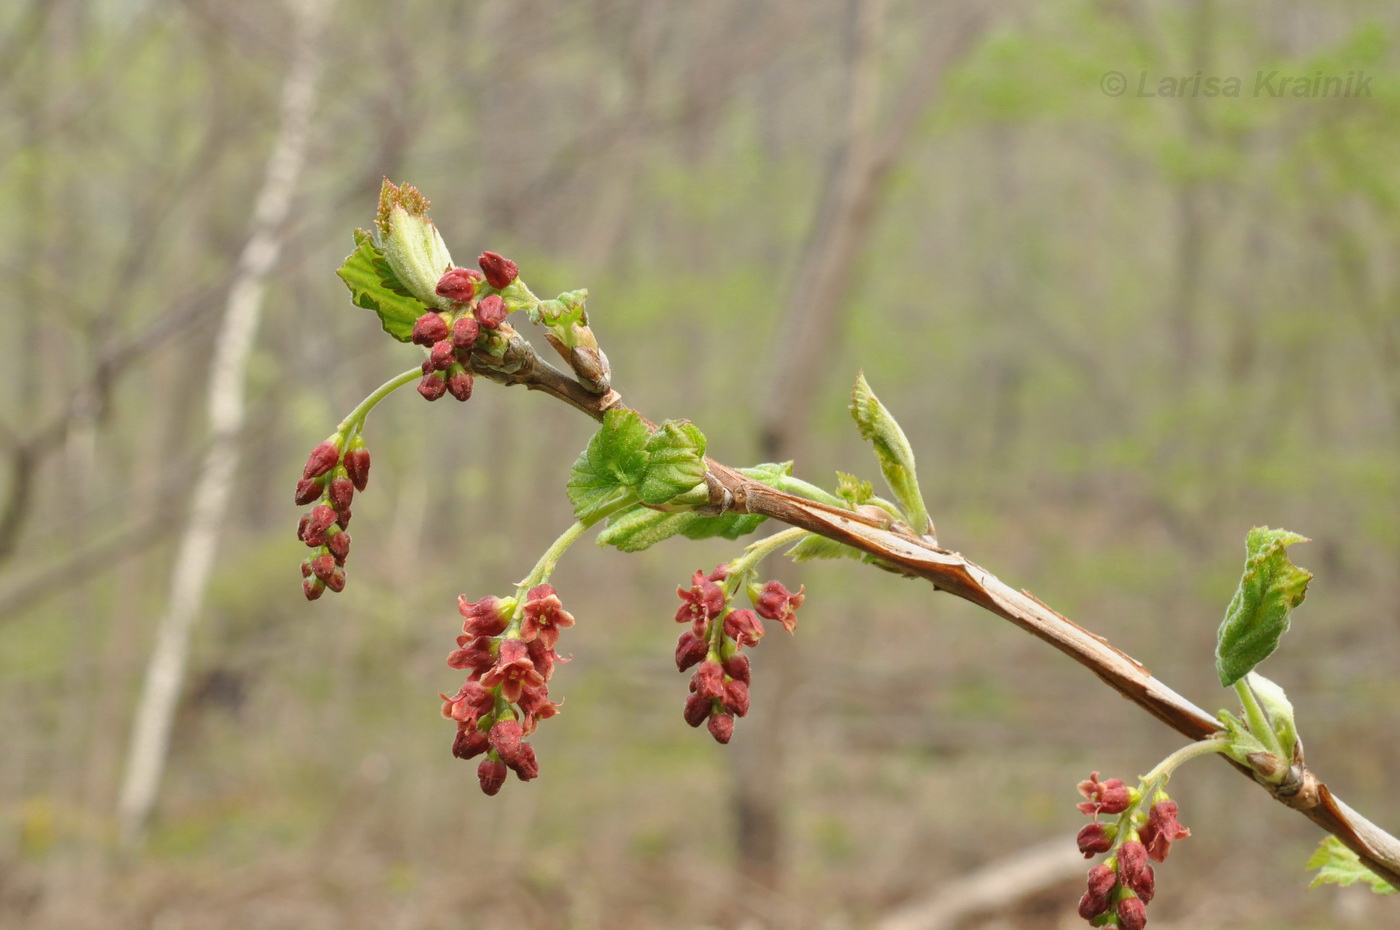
(364,272)
(676,461)
(812,548)
(1338,865)
(615,460)
(1257,617)
(641,527)
(853,490)
(879,427)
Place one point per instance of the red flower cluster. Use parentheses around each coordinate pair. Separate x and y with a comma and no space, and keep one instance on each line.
(1124,883)
(719,689)
(333,474)
(450,337)
(509,655)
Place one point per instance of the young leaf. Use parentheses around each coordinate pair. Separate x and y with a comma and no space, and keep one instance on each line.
(616,459)
(853,490)
(811,548)
(641,527)
(1270,588)
(1338,865)
(363,272)
(411,243)
(879,427)
(676,461)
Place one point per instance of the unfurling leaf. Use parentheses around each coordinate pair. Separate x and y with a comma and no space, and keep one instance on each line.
(1338,865)
(373,286)
(877,425)
(675,461)
(411,243)
(1257,617)
(616,459)
(641,527)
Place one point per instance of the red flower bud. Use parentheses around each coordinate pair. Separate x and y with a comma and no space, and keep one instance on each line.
(306,568)
(322,566)
(737,667)
(459,382)
(1132,914)
(690,650)
(484,618)
(302,525)
(339,544)
(336,582)
(708,680)
(491,312)
(321,460)
(1108,797)
(465,331)
(470,742)
(1094,839)
(778,603)
(744,627)
(492,774)
(432,386)
(721,727)
(458,285)
(312,588)
(476,655)
(342,519)
(318,521)
(505,739)
(697,709)
(357,463)
(1162,830)
(428,329)
(499,271)
(736,698)
(1095,900)
(308,489)
(720,573)
(524,764)
(444,354)
(342,492)
(1134,871)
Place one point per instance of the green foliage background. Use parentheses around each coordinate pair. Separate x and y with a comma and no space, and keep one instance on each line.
(1118,331)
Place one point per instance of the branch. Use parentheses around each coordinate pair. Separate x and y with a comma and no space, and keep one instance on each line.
(950,571)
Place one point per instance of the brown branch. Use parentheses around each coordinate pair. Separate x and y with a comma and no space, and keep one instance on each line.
(950,571)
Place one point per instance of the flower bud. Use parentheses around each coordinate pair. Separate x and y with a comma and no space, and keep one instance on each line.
(708,680)
(690,650)
(319,520)
(459,382)
(1095,838)
(737,667)
(443,356)
(505,739)
(303,525)
(458,285)
(487,617)
(306,568)
(470,742)
(776,602)
(432,386)
(308,489)
(428,329)
(312,587)
(524,764)
(342,492)
(736,698)
(492,775)
(499,271)
(1162,830)
(491,312)
(721,727)
(744,627)
(1108,797)
(336,582)
(1095,900)
(322,459)
(357,463)
(339,544)
(1132,914)
(697,709)
(342,519)
(465,331)
(1134,871)
(322,566)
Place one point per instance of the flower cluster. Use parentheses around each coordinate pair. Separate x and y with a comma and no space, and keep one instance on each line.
(334,472)
(507,648)
(450,336)
(1121,886)
(719,689)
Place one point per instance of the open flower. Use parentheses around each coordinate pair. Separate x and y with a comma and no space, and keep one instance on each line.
(545,616)
(514,671)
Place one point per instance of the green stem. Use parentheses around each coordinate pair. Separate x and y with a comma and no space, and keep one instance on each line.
(357,416)
(1163,771)
(758,551)
(1259,724)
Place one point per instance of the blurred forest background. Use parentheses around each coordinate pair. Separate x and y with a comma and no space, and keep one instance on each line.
(1119,331)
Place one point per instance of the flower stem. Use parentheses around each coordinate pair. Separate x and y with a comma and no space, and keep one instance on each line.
(1163,770)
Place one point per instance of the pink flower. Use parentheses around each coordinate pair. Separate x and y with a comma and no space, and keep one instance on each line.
(708,680)
(1162,830)
(545,616)
(744,627)
(514,672)
(702,603)
(776,602)
(1108,797)
(536,706)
